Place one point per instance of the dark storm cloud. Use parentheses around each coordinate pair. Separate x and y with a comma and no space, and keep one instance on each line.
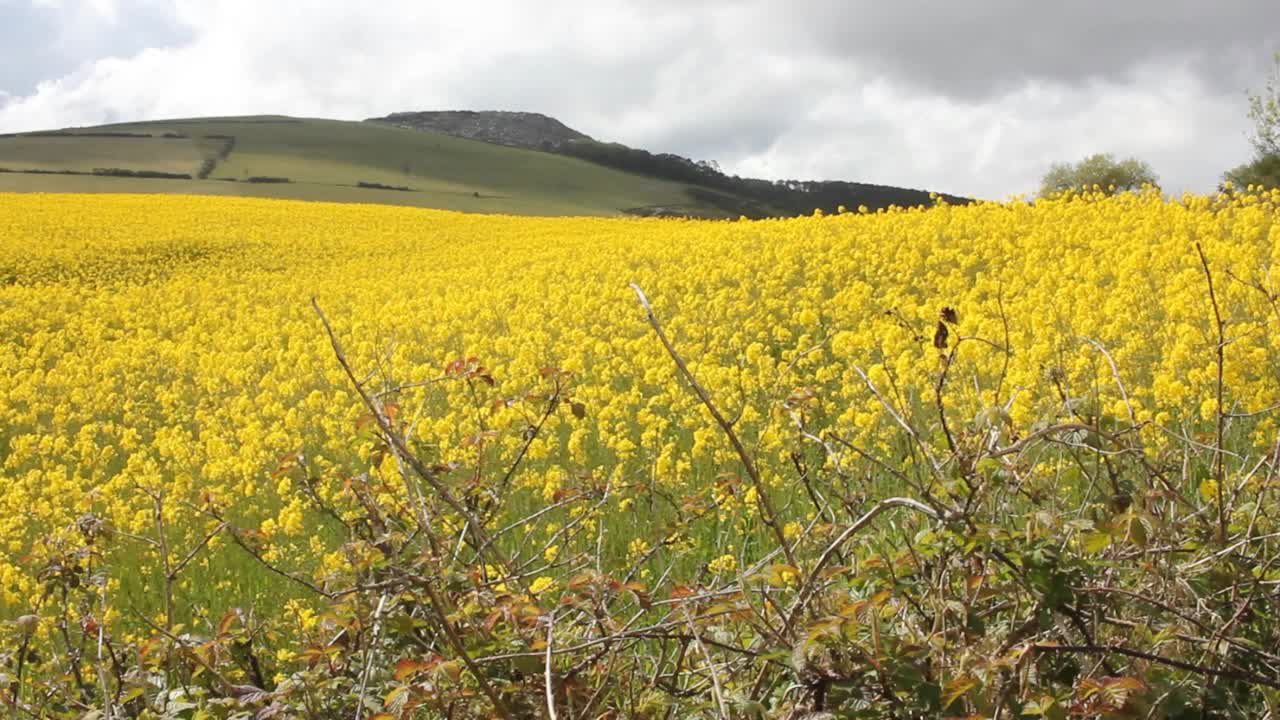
(977,49)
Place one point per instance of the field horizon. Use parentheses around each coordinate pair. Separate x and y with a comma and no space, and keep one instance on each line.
(378,161)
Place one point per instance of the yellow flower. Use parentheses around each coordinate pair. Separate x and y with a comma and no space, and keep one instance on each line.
(637,549)
(723,564)
(170,341)
(788,575)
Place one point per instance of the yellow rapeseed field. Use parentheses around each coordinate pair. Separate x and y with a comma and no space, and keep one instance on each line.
(169,343)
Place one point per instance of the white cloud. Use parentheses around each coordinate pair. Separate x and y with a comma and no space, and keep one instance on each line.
(48,39)
(1002,146)
(765,88)
(107,10)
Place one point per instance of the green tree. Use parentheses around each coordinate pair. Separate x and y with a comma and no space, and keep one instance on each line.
(1102,170)
(1263,170)
(1264,111)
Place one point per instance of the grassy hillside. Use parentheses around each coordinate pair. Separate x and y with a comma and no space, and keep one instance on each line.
(326,159)
(735,195)
(83,154)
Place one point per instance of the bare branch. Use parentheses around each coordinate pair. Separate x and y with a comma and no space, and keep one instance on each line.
(1219,472)
(548,685)
(1152,657)
(477,537)
(809,586)
(767,511)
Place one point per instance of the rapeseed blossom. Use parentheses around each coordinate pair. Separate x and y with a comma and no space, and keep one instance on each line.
(167,344)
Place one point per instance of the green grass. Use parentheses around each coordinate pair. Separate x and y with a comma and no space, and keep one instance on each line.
(327,158)
(85,154)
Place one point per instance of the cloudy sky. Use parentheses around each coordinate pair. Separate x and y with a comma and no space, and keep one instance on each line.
(974,98)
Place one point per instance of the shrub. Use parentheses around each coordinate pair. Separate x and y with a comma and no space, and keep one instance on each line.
(1262,172)
(380,186)
(39,171)
(152,174)
(1102,171)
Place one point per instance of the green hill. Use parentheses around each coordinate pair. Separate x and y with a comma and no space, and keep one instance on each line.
(329,160)
(709,185)
(491,162)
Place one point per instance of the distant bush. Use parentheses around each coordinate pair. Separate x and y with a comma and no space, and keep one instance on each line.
(155,174)
(111,134)
(70,134)
(175,136)
(37,171)
(1101,170)
(96,133)
(267,179)
(380,186)
(210,163)
(103,172)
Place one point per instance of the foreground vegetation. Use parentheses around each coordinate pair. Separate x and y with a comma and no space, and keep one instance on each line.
(267,459)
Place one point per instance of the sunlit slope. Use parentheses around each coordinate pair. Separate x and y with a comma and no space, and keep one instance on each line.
(328,159)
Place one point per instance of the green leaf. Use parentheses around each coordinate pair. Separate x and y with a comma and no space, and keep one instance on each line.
(132,695)
(1095,542)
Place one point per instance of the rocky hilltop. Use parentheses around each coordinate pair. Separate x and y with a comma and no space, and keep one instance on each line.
(731,195)
(515,129)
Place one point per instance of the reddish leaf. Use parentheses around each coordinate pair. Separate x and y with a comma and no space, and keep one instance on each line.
(408,668)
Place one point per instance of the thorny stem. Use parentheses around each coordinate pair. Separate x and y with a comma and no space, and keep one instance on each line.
(1160,659)
(441,613)
(477,537)
(811,582)
(768,513)
(1219,474)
